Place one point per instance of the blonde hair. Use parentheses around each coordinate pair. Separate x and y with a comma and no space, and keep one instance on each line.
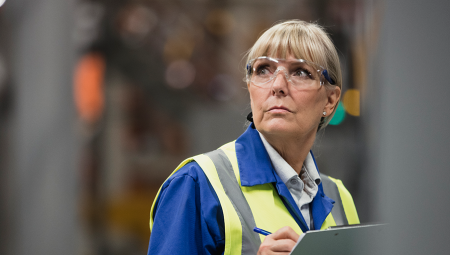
(303,40)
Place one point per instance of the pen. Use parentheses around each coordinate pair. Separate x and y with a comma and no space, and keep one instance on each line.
(261,231)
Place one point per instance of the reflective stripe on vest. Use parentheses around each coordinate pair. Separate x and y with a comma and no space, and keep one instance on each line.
(331,190)
(250,239)
(242,207)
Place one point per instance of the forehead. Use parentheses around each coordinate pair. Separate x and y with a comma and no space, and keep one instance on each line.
(283,50)
(290,62)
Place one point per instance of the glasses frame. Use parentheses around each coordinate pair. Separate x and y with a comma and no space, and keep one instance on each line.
(322,71)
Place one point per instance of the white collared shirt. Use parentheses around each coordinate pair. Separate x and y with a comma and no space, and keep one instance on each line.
(303,188)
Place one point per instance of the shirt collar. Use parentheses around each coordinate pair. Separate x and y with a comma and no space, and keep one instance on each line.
(284,170)
(311,168)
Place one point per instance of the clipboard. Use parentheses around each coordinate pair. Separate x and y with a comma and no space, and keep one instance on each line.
(345,240)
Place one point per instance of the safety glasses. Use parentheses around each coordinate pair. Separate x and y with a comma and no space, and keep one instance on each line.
(302,74)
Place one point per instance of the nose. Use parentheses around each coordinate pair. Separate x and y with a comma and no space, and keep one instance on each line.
(280,82)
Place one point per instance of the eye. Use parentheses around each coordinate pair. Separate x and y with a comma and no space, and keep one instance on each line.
(262,70)
(302,73)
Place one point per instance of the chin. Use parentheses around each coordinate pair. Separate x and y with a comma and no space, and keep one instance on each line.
(278,128)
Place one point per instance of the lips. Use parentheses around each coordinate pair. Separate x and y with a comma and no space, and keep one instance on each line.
(278,109)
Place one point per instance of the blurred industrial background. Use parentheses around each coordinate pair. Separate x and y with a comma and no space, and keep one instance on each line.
(101,100)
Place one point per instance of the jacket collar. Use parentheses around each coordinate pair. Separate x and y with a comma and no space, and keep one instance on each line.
(254,163)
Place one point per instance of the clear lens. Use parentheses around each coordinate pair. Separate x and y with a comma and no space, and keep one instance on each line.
(300,73)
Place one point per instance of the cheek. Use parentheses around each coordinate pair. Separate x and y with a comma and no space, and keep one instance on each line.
(311,105)
(306,99)
(256,101)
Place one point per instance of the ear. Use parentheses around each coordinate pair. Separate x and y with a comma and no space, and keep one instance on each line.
(333,95)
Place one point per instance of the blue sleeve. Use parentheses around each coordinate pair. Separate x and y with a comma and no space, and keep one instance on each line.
(188,218)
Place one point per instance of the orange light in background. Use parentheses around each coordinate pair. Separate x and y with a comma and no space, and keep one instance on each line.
(88,87)
(351,102)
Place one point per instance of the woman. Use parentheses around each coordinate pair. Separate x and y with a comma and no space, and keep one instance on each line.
(267,178)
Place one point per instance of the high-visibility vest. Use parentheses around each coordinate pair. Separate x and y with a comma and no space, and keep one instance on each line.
(260,205)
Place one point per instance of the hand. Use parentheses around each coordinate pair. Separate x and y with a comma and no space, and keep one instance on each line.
(280,242)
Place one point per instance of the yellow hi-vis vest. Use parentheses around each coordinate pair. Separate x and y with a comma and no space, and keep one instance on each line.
(246,207)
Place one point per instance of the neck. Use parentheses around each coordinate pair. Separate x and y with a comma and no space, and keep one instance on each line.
(292,149)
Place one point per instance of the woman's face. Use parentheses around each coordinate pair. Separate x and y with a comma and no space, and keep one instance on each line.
(284,111)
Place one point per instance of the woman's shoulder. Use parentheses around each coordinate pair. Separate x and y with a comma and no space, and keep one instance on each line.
(186,204)
(190,169)
(189,176)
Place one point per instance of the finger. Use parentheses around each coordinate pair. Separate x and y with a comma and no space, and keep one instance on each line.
(272,248)
(285,233)
(284,245)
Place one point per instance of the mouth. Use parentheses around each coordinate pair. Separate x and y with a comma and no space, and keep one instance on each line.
(278,109)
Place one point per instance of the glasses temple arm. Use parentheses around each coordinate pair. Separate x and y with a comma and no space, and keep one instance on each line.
(327,77)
